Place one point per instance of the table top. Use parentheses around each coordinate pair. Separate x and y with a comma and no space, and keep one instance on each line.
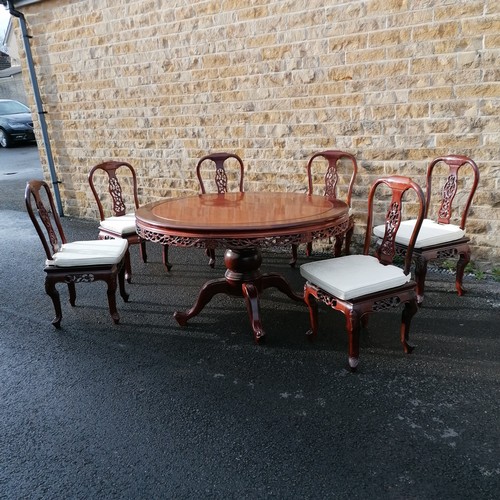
(253,214)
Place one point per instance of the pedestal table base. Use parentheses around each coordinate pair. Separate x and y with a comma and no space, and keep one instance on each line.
(244,278)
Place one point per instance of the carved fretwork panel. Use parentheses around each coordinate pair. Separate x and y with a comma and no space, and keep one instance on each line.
(386,303)
(329,300)
(328,233)
(79,278)
(221,179)
(447,253)
(115,190)
(386,250)
(331,180)
(322,296)
(262,242)
(448,194)
(401,251)
(45,218)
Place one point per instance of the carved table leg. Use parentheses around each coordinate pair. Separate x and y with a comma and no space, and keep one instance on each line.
(309,248)
(111,292)
(409,311)
(420,273)
(72,293)
(121,284)
(463,260)
(251,295)
(208,290)
(210,253)
(51,290)
(166,263)
(353,329)
(142,250)
(348,238)
(310,300)
(337,247)
(243,278)
(293,259)
(128,267)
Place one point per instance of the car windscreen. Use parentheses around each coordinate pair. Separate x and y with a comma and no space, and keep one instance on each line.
(12,108)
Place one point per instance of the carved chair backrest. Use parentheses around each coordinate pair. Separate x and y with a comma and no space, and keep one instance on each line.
(398,185)
(114,187)
(221,178)
(449,189)
(42,212)
(332,172)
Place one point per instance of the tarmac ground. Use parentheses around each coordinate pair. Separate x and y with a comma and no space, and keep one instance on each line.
(148,409)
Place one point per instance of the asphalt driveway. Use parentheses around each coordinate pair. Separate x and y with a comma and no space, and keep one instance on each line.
(147,409)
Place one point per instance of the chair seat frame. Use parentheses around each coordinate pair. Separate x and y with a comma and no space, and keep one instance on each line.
(85,274)
(356,312)
(421,256)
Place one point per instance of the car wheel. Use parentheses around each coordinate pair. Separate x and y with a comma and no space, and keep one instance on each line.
(5,141)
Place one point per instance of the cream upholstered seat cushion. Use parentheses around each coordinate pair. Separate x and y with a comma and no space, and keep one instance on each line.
(431,233)
(124,224)
(353,275)
(89,253)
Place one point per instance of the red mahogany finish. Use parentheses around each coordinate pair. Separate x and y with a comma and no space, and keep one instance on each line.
(448,190)
(357,308)
(334,168)
(221,180)
(42,212)
(242,223)
(110,171)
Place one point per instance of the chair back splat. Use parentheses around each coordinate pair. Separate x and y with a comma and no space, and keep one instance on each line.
(358,285)
(47,224)
(386,251)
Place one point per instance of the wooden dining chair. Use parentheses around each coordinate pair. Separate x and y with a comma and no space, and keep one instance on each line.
(77,261)
(121,224)
(221,181)
(438,237)
(336,164)
(358,285)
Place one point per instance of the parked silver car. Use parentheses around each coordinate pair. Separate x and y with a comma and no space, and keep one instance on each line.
(16,123)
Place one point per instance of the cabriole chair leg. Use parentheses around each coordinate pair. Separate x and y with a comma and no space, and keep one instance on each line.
(51,290)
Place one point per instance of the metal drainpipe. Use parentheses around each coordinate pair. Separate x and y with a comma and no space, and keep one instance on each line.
(39,105)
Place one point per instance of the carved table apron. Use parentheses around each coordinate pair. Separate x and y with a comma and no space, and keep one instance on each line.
(242,223)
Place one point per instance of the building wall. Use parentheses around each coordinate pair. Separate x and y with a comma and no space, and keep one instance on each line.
(12,86)
(11,42)
(160,84)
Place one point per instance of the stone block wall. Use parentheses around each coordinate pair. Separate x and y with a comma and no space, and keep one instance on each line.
(159,84)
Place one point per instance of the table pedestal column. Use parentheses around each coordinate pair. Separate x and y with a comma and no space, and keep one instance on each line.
(244,278)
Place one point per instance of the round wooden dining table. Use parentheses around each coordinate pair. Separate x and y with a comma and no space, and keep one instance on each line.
(242,223)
